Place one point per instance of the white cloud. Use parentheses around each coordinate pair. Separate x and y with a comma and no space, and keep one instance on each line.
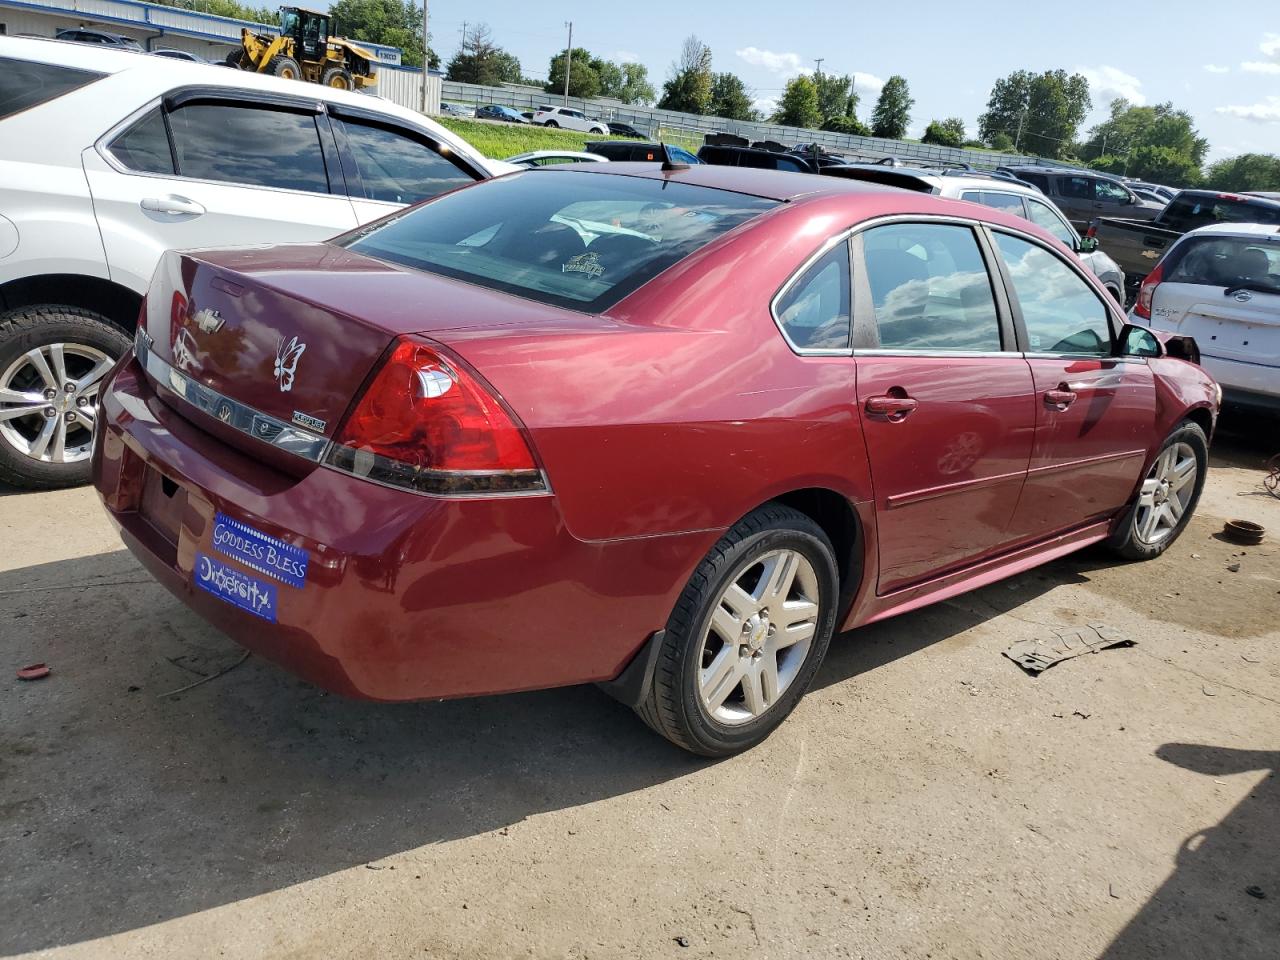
(766,105)
(1107,83)
(1214,68)
(1260,66)
(1265,112)
(868,84)
(1270,45)
(623,56)
(783,64)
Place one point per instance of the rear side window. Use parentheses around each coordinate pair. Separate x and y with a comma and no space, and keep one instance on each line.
(145,146)
(249,146)
(1039,179)
(1010,203)
(24,85)
(1078,188)
(1061,312)
(395,168)
(814,312)
(572,239)
(1226,261)
(930,288)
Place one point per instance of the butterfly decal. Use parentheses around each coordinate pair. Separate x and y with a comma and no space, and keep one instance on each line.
(287,356)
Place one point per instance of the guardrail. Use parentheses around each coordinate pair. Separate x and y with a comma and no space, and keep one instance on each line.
(689,128)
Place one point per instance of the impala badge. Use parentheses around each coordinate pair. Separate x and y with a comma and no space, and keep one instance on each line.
(288,353)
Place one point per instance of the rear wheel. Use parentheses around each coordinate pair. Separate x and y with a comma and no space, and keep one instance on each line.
(1167,498)
(287,67)
(552,123)
(52,361)
(747,635)
(339,78)
(234,59)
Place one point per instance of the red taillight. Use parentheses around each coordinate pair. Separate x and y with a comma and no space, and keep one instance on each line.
(1093,229)
(1142,307)
(424,422)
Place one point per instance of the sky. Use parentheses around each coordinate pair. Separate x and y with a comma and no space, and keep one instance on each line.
(1220,61)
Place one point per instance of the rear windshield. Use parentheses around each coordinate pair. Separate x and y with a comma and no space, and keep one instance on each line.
(1189,212)
(583,241)
(24,84)
(1227,261)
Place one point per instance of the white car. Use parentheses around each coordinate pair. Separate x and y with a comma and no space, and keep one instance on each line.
(549,158)
(1221,285)
(570,120)
(108,158)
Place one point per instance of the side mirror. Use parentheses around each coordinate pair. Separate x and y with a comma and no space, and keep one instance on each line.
(1088,244)
(1138,341)
(1132,199)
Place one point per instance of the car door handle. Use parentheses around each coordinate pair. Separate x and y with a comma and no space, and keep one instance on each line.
(175,206)
(1061,398)
(893,409)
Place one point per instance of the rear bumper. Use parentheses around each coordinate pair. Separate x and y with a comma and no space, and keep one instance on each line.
(405,597)
(1244,383)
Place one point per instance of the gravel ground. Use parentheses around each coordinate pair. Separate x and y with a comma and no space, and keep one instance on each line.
(926,800)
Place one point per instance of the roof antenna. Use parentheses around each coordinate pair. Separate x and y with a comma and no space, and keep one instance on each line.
(667,162)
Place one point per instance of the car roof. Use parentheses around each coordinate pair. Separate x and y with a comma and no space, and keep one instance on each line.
(1236,230)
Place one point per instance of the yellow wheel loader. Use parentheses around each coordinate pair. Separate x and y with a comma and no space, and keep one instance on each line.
(304,51)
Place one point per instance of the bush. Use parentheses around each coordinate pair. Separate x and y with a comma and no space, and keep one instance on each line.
(850,125)
(944,133)
(1002,142)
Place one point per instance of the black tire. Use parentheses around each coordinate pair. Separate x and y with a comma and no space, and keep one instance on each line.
(234,59)
(25,329)
(1126,541)
(287,67)
(345,81)
(552,123)
(674,705)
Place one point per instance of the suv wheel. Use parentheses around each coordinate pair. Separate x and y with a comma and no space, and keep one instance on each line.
(52,361)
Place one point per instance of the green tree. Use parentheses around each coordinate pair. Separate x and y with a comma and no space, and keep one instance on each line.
(396,23)
(731,99)
(481,61)
(1145,140)
(1040,112)
(628,82)
(1249,171)
(799,104)
(1001,141)
(689,88)
(850,125)
(227,8)
(945,133)
(892,115)
(836,96)
(584,81)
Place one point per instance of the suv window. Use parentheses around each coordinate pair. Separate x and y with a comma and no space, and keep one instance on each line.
(930,288)
(1078,188)
(814,312)
(249,145)
(1060,310)
(24,84)
(1008,202)
(394,168)
(145,146)
(1042,215)
(1039,179)
(1111,191)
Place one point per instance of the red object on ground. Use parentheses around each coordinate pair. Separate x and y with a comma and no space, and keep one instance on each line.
(37,671)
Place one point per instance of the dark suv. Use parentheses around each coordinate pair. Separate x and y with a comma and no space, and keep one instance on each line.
(1084,195)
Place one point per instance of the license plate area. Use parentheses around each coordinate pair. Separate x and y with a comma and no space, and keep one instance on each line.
(162,505)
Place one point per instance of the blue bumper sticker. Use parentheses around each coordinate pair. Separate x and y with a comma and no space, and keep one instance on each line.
(260,552)
(227,583)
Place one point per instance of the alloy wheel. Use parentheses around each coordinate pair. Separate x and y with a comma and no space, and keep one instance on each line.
(758,637)
(1166,492)
(49,401)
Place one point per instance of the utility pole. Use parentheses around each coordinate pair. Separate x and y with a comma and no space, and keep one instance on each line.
(568,61)
(464,35)
(1018,137)
(426,57)
(818,70)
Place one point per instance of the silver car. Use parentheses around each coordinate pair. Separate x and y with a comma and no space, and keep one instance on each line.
(1002,192)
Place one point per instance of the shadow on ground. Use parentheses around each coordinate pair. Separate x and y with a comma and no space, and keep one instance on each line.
(1211,896)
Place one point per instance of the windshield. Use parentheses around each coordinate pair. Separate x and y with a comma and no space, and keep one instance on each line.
(1229,262)
(583,241)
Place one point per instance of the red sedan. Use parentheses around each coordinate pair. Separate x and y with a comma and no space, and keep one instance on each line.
(661,429)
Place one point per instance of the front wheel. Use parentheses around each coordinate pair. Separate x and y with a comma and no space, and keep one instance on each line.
(52,361)
(552,123)
(1167,498)
(285,67)
(339,78)
(746,636)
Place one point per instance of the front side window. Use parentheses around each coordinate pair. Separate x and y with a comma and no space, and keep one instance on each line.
(1060,310)
(144,147)
(24,84)
(1111,192)
(1042,215)
(396,169)
(930,288)
(814,312)
(574,240)
(250,146)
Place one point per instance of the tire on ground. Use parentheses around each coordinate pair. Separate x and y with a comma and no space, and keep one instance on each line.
(552,123)
(282,66)
(339,78)
(674,705)
(25,329)
(1125,540)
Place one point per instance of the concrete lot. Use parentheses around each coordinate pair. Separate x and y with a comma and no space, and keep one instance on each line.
(927,799)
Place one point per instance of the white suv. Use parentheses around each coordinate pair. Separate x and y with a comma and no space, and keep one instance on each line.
(108,158)
(569,119)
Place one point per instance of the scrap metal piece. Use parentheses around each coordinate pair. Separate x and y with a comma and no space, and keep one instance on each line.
(1244,532)
(1040,653)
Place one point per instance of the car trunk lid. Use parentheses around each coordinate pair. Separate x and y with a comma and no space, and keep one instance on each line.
(1243,327)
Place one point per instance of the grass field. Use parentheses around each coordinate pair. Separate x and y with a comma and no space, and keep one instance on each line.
(501,140)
